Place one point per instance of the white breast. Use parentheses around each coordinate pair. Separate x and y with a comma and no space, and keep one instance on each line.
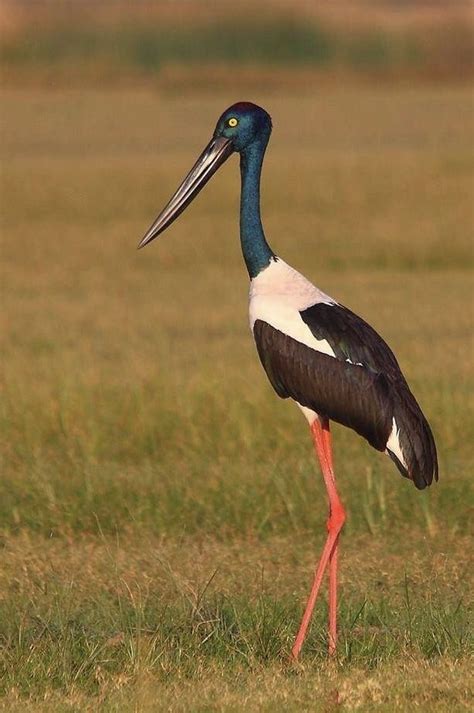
(277,296)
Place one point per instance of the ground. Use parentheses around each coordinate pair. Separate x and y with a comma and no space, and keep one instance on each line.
(161,509)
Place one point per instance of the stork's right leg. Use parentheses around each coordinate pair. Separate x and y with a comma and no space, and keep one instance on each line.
(322,442)
(333,557)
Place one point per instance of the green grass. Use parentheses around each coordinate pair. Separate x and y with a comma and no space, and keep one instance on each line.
(160,507)
(149,47)
(279,41)
(85,617)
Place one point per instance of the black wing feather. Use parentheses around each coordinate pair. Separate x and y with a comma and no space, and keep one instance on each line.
(343,392)
(350,337)
(362,388)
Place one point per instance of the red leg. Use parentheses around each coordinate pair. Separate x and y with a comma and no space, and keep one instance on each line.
(333,557)
(322,442)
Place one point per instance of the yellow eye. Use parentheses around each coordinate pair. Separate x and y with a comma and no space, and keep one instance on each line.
(232,122)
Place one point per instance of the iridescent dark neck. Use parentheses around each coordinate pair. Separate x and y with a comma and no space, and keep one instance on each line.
(255,249)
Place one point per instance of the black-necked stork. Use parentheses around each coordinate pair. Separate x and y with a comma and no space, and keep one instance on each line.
(313,349)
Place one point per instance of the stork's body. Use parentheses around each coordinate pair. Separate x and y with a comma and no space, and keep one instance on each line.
(314,350)
(335,366)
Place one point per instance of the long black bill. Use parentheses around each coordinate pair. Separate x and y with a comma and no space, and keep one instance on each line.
(216,152)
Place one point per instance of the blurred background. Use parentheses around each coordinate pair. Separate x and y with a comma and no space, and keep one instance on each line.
(106,105)
(134,405)
(182,45)
(132,363)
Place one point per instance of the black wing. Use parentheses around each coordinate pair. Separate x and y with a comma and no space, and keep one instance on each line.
(350,337)
(343,392)
(362,388)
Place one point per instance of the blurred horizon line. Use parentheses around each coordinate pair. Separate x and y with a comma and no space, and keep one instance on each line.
(191,44)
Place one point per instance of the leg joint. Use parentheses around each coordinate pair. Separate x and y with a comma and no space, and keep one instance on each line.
(336,519)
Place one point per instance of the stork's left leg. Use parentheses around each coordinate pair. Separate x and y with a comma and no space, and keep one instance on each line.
(322,442)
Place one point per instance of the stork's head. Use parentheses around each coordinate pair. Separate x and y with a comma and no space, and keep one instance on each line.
(240,126)
(243,123)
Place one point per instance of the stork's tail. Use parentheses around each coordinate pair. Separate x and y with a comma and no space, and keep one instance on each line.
(411,445)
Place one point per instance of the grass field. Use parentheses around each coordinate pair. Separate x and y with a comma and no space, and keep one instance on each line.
(161,510)
(183,45)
